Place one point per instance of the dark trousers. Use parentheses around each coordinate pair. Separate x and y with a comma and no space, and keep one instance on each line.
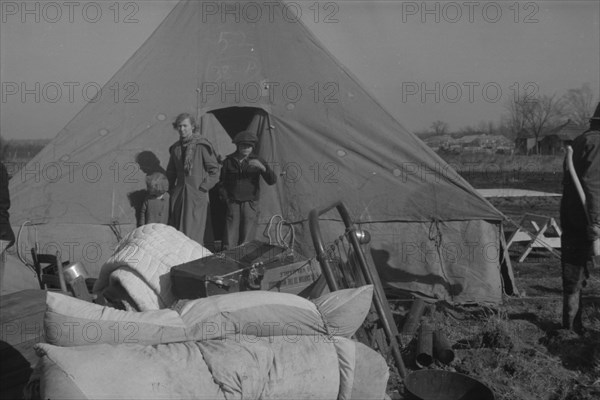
(575,273)
(240,223)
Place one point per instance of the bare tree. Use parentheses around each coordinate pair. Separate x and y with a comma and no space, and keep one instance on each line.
(519,109)
(439,127)
(579,104)
(548,112)
(532,115)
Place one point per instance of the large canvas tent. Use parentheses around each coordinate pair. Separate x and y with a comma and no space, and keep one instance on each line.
(325,135)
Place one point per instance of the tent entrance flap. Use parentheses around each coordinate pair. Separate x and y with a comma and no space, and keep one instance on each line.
(237,119)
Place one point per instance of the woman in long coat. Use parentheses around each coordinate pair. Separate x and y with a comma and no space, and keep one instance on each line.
(192,171)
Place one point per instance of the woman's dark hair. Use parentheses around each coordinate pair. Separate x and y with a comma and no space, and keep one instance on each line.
(182,117)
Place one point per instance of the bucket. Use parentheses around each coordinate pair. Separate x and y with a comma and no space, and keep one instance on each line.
(434,384)
(74,271)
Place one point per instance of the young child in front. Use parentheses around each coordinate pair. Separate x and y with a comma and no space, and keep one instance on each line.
(155,208)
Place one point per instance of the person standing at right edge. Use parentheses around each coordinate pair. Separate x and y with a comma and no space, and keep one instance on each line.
(581,232)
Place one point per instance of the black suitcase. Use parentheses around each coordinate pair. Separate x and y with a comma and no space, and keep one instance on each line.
(252,266)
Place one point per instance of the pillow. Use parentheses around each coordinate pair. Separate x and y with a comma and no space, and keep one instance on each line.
(253,313)
(73,322)
(263,313)
(345,310)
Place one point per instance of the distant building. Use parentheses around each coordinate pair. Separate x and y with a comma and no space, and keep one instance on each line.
(551,142)
(525,145)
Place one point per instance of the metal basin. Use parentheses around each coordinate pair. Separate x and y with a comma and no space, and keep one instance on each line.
(445,385)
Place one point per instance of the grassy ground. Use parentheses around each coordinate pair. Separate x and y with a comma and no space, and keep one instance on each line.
(518,349)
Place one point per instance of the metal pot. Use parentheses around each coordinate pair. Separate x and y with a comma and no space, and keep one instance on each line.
(432,384)
(74,271)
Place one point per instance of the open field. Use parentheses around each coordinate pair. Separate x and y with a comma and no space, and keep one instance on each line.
(518,349)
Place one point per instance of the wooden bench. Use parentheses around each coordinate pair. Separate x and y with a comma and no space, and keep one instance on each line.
(539,231)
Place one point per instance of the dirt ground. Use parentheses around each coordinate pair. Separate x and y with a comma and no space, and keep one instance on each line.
(517,349)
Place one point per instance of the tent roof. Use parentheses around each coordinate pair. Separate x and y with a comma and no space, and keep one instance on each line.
(324,127)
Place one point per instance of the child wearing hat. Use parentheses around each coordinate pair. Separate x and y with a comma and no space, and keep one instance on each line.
(155,208)
(240,182)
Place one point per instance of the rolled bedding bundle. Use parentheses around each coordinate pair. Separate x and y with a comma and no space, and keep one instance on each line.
(253,368)
(251,345)
(73,322)
(137,275)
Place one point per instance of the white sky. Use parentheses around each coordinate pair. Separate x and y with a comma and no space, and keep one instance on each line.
(396,48)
